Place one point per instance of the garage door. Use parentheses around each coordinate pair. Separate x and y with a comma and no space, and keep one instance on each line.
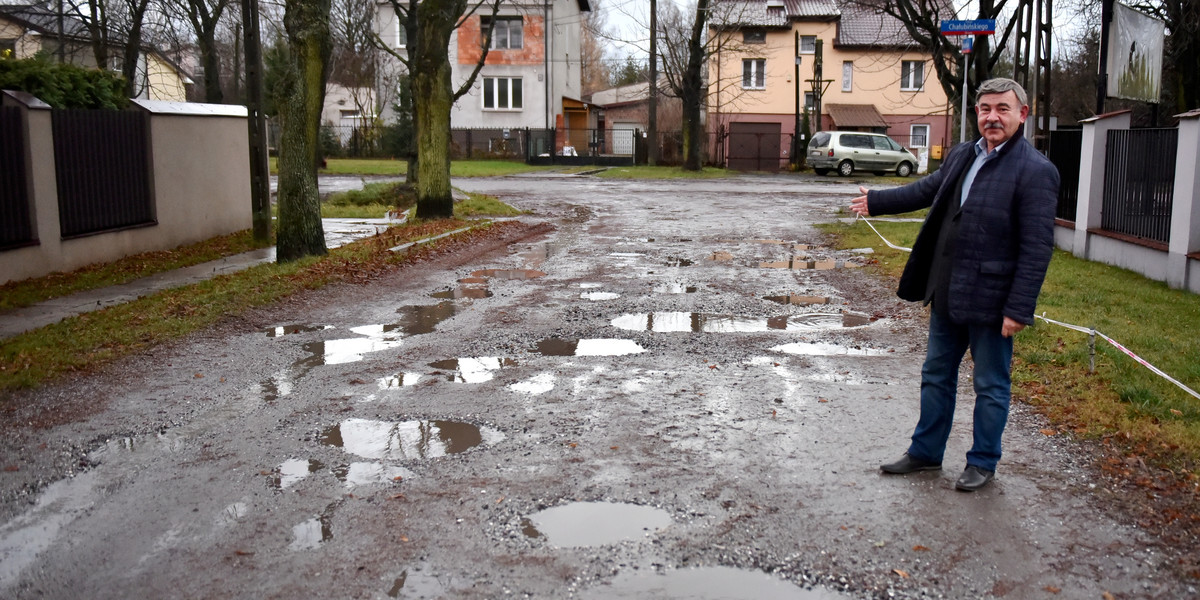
(754,146)
(622,142)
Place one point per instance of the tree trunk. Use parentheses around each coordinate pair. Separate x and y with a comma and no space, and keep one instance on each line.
(211,58)
(303,95)
(693,92)
(431,84)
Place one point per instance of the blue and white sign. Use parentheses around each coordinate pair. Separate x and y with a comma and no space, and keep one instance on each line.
(969,27)
(968,44)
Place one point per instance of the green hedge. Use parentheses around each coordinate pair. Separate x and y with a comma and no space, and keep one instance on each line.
(63,85)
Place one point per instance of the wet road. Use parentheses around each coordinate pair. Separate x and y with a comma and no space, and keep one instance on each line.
(675,393)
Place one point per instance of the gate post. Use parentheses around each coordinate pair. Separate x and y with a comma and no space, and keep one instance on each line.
(1092,155)
(1185,209)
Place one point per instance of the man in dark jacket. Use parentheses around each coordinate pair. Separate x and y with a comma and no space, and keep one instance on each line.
(979,260)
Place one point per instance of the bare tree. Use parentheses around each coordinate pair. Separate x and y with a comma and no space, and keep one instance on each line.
(594,70)
(299,96)
(205,17)
(427,26)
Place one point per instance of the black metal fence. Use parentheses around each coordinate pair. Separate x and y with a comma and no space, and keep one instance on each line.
(16,228)
(1065,148)
(1139,183)
(102,169)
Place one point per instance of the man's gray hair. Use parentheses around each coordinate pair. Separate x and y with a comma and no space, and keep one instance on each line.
(1000,85)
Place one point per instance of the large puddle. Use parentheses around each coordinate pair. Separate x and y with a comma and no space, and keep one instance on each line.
(407,439)
(583,524)
(463,292)
(798,300)
(705,583)
(472,370)
(414,320)
(588,347)
(666,322)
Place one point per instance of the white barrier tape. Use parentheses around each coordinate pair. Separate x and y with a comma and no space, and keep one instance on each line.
(1118,346)
(885,240)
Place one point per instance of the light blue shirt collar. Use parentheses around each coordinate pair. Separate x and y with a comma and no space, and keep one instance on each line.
(981,156)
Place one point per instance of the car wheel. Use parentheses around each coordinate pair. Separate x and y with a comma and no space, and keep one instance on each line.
(821,171)
(845,168)
(904,170)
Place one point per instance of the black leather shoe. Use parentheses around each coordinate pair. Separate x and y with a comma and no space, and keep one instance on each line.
(973,478)
(908,464)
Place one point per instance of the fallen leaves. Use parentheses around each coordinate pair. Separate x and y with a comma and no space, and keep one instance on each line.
(902,574)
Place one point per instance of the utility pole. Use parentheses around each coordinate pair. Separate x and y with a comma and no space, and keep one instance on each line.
(256,124)
(652,118)
(818,87)
(1106,17)
(796,146)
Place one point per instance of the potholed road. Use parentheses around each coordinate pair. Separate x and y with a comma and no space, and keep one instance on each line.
(673,391)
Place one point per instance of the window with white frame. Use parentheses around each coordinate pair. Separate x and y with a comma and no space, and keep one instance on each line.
(502,93)
(754,73)
(506,34)
(808,44)
(919,136)
(810,101)
(847,75)
(912,75)
(401,33)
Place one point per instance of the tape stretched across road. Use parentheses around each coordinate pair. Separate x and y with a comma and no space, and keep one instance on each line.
(1118,346)
(885,240)
(1078,328)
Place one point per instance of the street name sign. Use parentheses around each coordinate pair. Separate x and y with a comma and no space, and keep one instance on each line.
(969,27)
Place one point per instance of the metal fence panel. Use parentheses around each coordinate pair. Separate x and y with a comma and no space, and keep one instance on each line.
(1065,148)
(101,159)
(1139,183)
(16,229)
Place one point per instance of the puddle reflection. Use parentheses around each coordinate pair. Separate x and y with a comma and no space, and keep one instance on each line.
(675,288)
(676,322)
(407,439)
(399,380)
(473,370)
(803,262)
(469,293)
(370,473)
(310,534)
(598,296)
(294,329)
(588,347)
(798,300)
(293,470)
(582,524)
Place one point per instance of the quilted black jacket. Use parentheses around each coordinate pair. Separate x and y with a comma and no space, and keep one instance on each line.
(1005,233)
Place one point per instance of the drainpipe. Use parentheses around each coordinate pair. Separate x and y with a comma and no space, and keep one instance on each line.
(546,62)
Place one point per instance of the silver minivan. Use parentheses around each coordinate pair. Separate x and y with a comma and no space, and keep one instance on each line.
(850,151)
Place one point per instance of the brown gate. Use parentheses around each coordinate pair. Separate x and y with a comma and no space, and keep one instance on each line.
(754,146)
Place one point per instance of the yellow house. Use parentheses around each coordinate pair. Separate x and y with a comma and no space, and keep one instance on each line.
(872,77)
(28,30)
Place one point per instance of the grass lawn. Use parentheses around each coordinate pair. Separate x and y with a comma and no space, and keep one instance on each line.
(368,167)
(1122,401)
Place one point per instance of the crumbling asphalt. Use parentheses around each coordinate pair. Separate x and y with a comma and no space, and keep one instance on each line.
(639,390)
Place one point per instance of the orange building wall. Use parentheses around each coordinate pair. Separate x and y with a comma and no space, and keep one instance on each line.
(532,52)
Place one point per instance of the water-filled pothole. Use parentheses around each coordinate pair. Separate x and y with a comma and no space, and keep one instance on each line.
(588,347)
(705,583)
(283,330)
(803,262)
(370,473)
(582,524)
(676,288)
(472,370)
(310,534)
(399,380)
(598,296)
(518,274)
(459,293)
(798,300)
(414,320)
(676,261)
(407,439)
(667,322)
(293,470)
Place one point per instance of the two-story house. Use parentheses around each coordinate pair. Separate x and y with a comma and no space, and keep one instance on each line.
(30,29)
(873,76)
(531,77)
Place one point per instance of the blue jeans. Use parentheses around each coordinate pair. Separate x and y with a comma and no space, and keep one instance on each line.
(992,353)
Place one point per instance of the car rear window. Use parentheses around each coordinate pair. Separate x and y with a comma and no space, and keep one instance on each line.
(819,141)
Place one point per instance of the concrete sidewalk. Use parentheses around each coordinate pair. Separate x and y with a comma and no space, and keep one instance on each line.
(338,232)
